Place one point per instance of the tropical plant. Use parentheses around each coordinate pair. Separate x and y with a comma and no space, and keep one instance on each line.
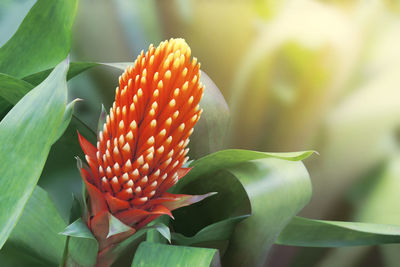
(138,171)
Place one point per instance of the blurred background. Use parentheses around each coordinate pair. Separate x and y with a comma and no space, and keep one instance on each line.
(297,75)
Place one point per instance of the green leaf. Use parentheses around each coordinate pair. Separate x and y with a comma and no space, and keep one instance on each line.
(231,157)
(253,183)
(123,252)
(318,233)
(218,231)
(210,132)
(60,177)
(42,40)
(74,69)
(153,254)
(26,135)
(36,233)
(13,89)
(66,118)
(278,190)
(77,229)
(82,247)
(115,226)
(12,256)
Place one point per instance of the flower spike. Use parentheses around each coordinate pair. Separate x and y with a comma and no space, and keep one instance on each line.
(142,144)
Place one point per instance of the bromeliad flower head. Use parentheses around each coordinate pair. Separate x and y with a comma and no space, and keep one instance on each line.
(143,143)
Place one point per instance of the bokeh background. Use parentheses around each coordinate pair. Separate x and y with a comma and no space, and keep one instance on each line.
(296,74)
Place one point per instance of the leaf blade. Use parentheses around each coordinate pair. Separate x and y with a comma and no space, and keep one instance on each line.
(36,117)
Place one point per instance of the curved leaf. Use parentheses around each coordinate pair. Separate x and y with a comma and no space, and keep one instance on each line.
(278,190)
(227,158)
(318,233)
(36,233)
(153,254)
(13,89)
(26,135)
(42,40)
(218,231)
(210,132)
(271,187)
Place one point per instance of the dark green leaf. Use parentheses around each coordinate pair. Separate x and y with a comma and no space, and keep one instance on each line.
(26,135)
(153,254)
(218,231)
(13,89)
(318,233)
(36,232)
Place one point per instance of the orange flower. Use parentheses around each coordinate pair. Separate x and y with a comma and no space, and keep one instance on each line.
(142,147)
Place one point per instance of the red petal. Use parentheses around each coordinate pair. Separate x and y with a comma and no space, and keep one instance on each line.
(182,172)
(116,204)
(185,200)
(155,213)
(165,197)
(99,226)
(132,216)
(87,147)
(97,201)
(160,209)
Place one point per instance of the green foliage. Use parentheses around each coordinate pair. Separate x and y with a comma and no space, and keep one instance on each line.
(259,194)
(36,233)
(26,134)
(41,41)
(157,255)
(255,185)
(317,233)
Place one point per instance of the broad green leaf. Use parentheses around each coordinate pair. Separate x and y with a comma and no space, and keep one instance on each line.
(278,189)
(36,232)
(253,183)
(81,248)
(12,256)
(42,40)
(26,135)
(210,132)
(158,255)
(228,158)
(318,233)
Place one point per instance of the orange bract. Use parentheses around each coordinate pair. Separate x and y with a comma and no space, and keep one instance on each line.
(142,146)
